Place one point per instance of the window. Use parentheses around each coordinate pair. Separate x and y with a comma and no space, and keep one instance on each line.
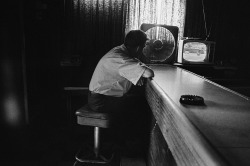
(168,12)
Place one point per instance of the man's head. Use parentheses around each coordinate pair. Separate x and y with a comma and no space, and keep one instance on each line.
(135,41)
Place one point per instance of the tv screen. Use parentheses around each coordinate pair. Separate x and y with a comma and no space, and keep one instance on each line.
(195,52)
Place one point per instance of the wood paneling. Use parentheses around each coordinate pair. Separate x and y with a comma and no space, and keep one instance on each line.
(159,153)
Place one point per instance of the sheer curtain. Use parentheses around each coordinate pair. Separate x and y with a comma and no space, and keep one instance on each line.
(93,26)
(168,12)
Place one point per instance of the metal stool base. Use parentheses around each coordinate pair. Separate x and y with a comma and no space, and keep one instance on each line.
(89,156)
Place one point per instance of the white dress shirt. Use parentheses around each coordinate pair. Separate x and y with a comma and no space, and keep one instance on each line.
(116,72)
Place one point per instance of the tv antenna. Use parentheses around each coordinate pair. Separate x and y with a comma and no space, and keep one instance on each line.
(204,17)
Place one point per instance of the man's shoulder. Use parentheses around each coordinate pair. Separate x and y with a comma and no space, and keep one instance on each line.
(120,49)
(117,52)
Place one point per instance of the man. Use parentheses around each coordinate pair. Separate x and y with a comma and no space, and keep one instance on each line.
(116,72)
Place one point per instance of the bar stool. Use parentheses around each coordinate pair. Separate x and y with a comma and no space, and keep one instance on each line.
(87,117)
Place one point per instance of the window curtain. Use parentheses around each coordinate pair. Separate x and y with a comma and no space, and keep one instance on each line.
(168,12)
(93,27)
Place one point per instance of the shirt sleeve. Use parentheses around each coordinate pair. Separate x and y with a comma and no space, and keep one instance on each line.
(132,70)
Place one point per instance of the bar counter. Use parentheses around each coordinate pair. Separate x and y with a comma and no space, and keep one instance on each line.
(217,133)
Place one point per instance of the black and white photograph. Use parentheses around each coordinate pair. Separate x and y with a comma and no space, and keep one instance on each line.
(125,83)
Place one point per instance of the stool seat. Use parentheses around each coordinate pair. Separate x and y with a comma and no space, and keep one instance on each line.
(88,117)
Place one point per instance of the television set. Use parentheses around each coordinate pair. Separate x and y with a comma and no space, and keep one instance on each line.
(195,51)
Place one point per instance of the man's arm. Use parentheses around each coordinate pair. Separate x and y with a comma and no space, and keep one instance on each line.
(148,73)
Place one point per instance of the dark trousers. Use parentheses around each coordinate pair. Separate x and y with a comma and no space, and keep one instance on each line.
(116,106)
(106,104)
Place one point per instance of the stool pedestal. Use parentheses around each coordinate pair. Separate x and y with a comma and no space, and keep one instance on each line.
(87,117)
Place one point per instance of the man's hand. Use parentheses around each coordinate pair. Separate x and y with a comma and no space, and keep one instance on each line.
(148,72)
(140,82)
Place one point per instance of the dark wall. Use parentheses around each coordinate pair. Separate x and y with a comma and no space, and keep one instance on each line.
(13,96)
(12,54)
(43,28)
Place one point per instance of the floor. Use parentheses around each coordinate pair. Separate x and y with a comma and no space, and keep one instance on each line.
(45,146)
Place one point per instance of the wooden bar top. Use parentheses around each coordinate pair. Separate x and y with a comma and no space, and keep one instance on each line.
(217,133)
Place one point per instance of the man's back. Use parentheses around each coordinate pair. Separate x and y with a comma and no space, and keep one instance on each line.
(115,73)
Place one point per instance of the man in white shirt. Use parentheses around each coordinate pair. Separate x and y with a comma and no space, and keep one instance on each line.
(116,72)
